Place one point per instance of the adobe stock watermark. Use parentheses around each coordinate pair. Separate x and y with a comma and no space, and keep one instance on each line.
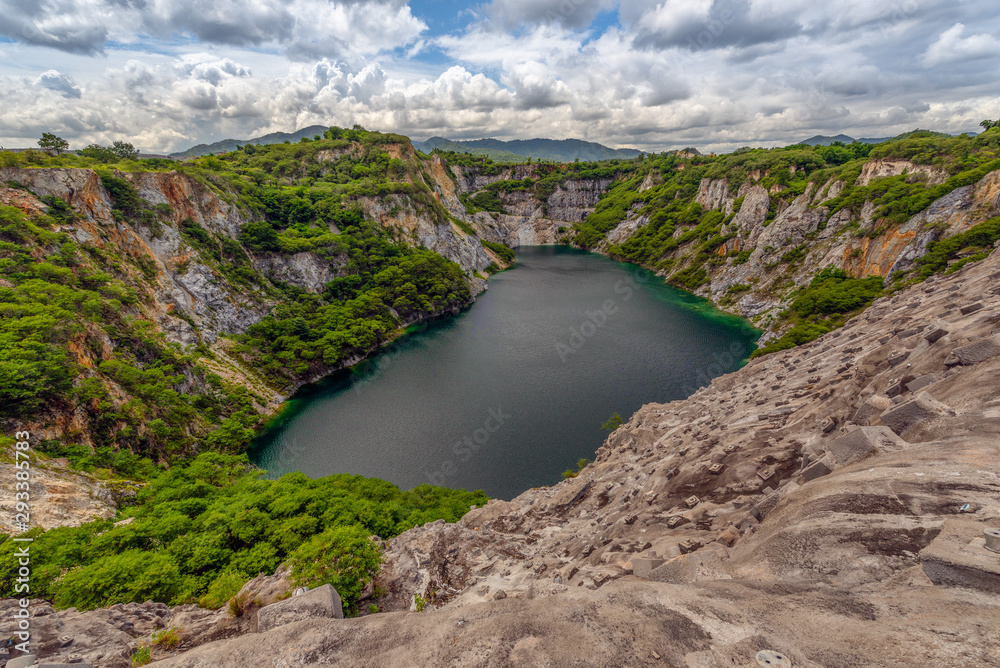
(22,521)
(594,320)
(469,445)
(895,14)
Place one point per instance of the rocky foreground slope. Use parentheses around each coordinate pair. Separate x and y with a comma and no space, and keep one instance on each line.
(826,502)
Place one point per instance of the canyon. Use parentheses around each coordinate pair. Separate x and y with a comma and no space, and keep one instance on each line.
(827,503)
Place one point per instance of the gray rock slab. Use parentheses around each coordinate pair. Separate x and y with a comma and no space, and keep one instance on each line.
(958,557)
(971,308)
(863,442)
(901,417)
(977,352)
(935,331)
(761,509)
(921,382)
(677,571)
(872,407)
(642,567)
(815,470)
(320,602)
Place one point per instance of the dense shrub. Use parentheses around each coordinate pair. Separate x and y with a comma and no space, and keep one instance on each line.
(203,528)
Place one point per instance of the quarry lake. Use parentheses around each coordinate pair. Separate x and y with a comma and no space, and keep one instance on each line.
(514,390)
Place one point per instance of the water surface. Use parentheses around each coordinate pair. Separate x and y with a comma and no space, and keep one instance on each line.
(514,390)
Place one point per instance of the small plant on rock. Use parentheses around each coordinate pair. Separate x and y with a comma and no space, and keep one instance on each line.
(167,638)
(142,656)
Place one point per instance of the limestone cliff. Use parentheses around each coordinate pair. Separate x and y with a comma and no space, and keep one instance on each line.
(526,219)
(752,273)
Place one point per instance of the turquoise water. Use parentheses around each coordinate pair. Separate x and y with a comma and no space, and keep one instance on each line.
(514,390)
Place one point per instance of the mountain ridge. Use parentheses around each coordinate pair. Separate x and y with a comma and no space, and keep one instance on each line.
(556,150)
(228,145)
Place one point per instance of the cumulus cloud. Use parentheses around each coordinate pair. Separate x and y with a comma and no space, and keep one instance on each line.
(952,48)
(569,13)
(713,24)
(53,80)
(303,28)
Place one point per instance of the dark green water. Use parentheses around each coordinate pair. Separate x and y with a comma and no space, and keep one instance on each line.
(512,392)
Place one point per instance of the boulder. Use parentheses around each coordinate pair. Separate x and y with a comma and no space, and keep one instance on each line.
(958,557)
(921,382)
(643,566)
(901,417)
(863,442)
(816,470)
(935,331)
(320,602)
(977,352)
(971,308)
(873,406)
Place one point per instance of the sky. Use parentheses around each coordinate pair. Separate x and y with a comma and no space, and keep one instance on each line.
(713,74)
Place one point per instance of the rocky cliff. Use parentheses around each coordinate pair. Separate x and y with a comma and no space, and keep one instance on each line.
(526,219)
(196,284)
(825,503)
(774,243)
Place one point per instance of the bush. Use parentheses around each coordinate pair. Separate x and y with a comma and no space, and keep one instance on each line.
(222,589)
(342,556)
(202,528)
(504,252)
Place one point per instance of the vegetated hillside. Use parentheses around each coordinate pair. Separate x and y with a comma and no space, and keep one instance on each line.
(825,140)
(518,150)
(229,145)
(152,310)
(798,238)
(157,312)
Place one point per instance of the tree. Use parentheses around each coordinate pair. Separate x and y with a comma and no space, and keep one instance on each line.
(988,124)
(50,142)
(124,150)
(119,150)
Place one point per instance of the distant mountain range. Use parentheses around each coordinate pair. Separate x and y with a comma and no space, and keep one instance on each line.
(824,140)
(519,150)
(229,145)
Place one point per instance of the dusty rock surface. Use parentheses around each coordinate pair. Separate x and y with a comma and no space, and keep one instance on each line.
(59,497)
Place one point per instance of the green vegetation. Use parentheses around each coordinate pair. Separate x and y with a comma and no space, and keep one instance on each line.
(973,245)
(62,294)
(166,639)
(143,656)
(201,527)
(119,150)
(50,142)
(77,334)
(580,465)
(502,251)
(824,305)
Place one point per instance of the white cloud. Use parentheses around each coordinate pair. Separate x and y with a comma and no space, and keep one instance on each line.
(54,80)
(304,29)
(952,48)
